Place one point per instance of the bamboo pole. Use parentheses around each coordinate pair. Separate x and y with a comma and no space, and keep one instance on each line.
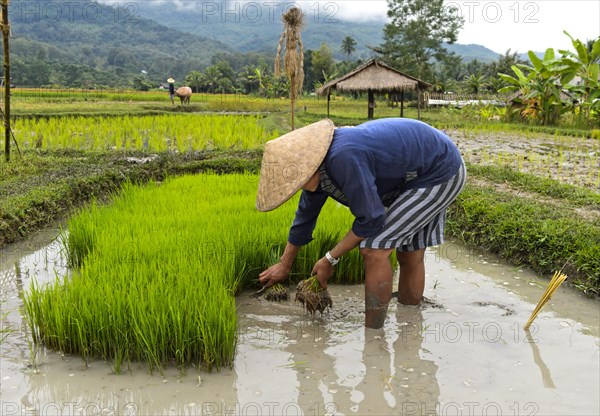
(556,281)
(5,36)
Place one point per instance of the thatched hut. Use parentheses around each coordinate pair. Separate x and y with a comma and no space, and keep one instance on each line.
(375,76)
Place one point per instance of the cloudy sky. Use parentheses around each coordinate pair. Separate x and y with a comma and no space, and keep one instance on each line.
(501,24)
(520,25)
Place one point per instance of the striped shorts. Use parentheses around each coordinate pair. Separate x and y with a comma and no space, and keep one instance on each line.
(415,220)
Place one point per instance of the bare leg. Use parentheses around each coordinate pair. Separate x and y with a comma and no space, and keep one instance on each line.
(378,285)
(412,277)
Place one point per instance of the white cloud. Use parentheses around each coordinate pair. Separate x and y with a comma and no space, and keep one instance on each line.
(520,25)
(528,25)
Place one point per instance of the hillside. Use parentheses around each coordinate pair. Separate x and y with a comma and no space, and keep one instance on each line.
(103,44)
(250,29)
(89,44)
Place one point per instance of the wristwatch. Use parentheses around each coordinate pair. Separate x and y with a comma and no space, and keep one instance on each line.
(332,260)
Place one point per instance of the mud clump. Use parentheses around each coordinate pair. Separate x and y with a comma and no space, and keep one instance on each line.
(312,296)
(276,293)
(507,311)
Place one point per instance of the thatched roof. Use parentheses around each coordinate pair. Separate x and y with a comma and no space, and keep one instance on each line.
(376,76)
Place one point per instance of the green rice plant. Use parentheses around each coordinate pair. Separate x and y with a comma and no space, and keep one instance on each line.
(177,132)
(155,271)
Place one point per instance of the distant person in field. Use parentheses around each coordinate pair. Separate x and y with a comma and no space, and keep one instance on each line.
(171,82)
(396,175)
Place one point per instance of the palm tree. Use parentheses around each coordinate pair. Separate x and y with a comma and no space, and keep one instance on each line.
(476,82)
(293,59)
(194,79)
(213,78)
(348,45)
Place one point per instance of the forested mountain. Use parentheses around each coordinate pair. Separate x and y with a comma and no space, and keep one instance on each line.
(86,43)
(139,44)
(256,27)
(248,28)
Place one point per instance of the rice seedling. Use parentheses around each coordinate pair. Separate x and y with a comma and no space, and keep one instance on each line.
(155,272)
(276,292)
(313,296)
(176,133)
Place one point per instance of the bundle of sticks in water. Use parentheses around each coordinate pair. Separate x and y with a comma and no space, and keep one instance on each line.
(312,296)
(556,281)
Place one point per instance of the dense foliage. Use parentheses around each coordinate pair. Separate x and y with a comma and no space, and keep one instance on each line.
(552,86)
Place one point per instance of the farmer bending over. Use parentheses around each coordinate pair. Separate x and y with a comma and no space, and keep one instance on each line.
(396,175)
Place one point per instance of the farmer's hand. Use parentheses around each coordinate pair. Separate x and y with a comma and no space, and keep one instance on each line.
(274,274)
(324,270)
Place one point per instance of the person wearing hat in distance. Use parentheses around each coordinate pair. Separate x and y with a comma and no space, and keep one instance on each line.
(396,175)
(171,82)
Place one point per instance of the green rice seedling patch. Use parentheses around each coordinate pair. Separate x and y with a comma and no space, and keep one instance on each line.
(176,132)
(155,272)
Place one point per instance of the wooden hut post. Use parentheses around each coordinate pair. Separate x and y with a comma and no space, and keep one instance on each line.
(328,100)
(402,102)
(418,102)
(371,105)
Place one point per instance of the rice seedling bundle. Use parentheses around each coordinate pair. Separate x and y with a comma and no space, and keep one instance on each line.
(155,271)
(276,293)
(178,132)
(312,296)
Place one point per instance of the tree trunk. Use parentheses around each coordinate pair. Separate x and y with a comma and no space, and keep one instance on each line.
(5,37)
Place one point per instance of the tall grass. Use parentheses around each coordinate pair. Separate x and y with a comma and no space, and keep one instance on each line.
(155,271)
(177,132)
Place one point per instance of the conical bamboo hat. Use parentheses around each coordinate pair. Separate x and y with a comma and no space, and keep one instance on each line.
(289,162)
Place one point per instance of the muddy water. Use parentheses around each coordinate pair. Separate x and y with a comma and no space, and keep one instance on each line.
(465,355)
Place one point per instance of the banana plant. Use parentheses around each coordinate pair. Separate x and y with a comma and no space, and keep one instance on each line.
(540,86)
(584,64)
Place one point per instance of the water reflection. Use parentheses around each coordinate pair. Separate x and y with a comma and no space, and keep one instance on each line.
(466,357)
(336,366)
(537,359)
(408,384)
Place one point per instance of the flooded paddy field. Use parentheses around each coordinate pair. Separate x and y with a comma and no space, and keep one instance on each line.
(572,160)
(466,353)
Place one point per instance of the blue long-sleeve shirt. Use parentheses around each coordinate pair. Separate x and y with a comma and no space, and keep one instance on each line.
(367,164)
